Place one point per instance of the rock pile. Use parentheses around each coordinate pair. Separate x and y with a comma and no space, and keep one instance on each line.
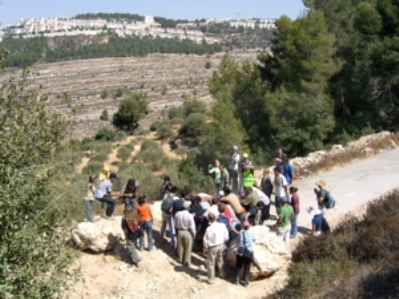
(98,236)
(270,253)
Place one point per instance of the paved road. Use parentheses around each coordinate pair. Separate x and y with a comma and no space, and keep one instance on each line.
(352,185)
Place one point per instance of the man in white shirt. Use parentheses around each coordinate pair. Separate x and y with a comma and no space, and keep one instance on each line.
(281,191)
(215,238)
(234,158)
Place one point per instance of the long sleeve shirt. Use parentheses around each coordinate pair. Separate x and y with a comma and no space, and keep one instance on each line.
(218,176)
(216,234)
(185,221)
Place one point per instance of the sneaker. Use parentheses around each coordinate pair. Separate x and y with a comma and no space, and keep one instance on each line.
(138,263)
(210,281)
(109,217)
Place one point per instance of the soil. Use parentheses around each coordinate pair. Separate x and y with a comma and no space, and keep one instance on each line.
(111,275)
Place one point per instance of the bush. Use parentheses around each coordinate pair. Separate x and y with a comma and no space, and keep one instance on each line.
(125,151)
(122,165)
(93,167)
(104,115)
(103,94)
(105,135)
(99,157)
(174,112)
(194,128)
(164,131)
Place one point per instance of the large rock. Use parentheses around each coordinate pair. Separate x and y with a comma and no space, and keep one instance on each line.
(270,253)
(98,236)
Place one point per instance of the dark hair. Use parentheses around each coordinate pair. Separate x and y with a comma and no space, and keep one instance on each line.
(293,189)
(226,190)
(260,204)
(183,194)
(248,188)
(174,189)
(215,201)
(221,207)
(92,178)
(197,199)
(277,169)
(142,198)
(166,178)
(130,186)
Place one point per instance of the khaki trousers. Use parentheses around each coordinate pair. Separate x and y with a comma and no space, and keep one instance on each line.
(184,246)
(215,256)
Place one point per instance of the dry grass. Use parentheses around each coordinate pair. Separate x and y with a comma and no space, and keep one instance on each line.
(350,154)
(358,260)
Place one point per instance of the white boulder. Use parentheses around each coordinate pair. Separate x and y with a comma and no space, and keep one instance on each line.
(270,253)
(98,236)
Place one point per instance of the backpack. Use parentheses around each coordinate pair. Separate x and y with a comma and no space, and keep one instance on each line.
(167,203)
(329,200)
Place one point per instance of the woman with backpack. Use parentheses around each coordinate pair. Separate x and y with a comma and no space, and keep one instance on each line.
(130,226)
(145,217)
(245,253)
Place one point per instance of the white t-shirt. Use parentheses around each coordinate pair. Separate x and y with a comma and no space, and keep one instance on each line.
(103,188)
(279,183)
(262,196)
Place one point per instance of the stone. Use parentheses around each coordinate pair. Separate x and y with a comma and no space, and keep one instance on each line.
(98,236)
(337,148)
(270,253)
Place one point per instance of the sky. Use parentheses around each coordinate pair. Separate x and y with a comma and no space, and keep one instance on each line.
(13,10)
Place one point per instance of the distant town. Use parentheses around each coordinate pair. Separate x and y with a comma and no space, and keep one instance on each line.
(69,26)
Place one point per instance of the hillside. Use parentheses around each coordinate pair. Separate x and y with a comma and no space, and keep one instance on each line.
(82,89)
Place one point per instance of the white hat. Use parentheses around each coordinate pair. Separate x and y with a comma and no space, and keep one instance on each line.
(245,155)
(235,148)
(313,210)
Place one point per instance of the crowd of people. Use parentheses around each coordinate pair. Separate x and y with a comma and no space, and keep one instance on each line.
(209,223)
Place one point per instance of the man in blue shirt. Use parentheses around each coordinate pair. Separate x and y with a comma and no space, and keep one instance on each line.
(288,171)
(104,194)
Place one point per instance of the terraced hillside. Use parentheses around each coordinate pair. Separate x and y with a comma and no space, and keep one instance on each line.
(82,89)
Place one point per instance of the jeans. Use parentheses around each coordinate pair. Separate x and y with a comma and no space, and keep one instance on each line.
(218,187)
(294,226)
(168,219)
(234,183)
(146,226)
(242,262)
(110,204)
(264,214)
(284,233)
(89,210)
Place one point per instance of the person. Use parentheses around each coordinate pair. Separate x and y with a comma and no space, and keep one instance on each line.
(295,206)
(213,208)
(216,170)
(280,154)
(89,197)
(130,226)
(233,160)
(288,171)
(263,206)
(225,177)
(166,186)
(167,215)
(226,217)
(232,199)
(317,220)
(245,243)
(321,194)
(200,221)
(104,194)
(184,223)
(215,238)
(281,191)
(250,201)
(145,216)
(266,184)
(247,171)
(128,192)
(283,223)
(104,174)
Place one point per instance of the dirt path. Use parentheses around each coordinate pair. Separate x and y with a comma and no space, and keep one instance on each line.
(160,276)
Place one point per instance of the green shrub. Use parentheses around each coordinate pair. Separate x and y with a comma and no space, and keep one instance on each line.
(194,128)
(176,121)
(176,112)
(149,144)
(99,157)
(125,151)
(122,165)
(105,135)
(102,147)
(120,135)
(93,167)
(155,125)
(164,131)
